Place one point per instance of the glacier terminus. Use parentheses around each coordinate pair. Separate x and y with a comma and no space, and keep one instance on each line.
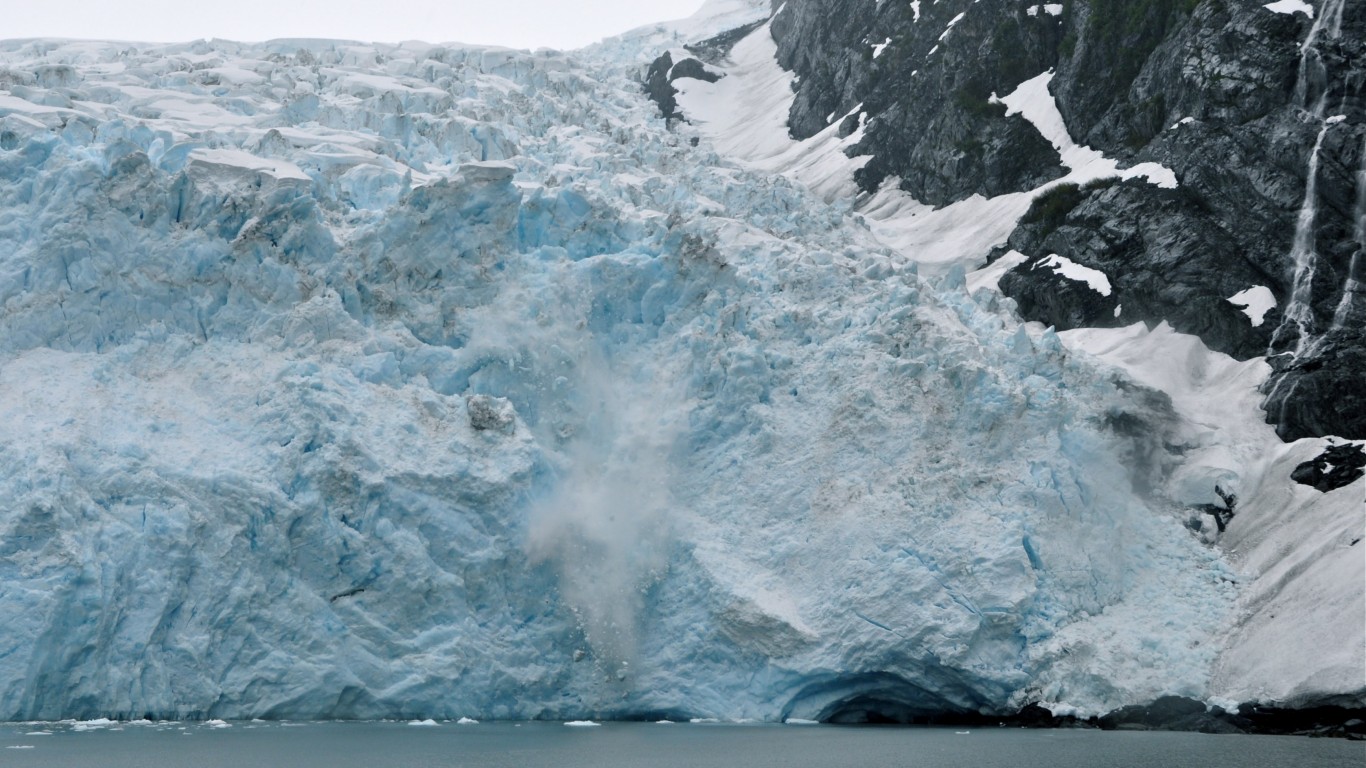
(345,380)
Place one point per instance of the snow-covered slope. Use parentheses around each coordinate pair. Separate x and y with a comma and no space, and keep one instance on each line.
(364,381)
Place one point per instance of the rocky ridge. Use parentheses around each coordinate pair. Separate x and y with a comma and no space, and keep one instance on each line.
(1260,114)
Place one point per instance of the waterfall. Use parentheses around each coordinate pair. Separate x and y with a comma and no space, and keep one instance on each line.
(1311,62)
(1300,310)
(1353,285)
(1312,78)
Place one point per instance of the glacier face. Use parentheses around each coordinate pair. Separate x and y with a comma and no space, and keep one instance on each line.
(365,381)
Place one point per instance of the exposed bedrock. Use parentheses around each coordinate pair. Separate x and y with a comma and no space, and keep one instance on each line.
(1234,98)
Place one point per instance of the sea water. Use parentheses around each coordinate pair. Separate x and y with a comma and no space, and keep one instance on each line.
(526,745)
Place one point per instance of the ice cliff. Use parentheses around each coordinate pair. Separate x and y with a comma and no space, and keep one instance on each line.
(344,380)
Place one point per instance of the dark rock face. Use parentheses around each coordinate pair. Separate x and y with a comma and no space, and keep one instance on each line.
(714,49)
(1173,713)
(931,123)
(1036,716)
(1335,468)
(1166,257)
(1045,294)
(660,88)
(1323,393)
(663,71)
(1330,721)
(1218,92)
(659,82)
(1177,713)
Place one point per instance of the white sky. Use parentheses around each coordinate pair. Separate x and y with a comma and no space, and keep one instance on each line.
(515,23)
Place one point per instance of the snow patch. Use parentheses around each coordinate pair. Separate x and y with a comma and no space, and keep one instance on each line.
(1291,7)
(952,22)
(1098,281)
(745,116)
(1035,103)
(238,159)
(989,277)
(1255,302)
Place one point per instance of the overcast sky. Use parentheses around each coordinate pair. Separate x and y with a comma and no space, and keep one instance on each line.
(516,23)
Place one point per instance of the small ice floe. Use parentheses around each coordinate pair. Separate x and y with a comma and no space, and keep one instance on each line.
(218,724)
(19,746)
(424,723)
(92,725)
(962,733)
(467,721)
(800,721)
(664,722)
(704,720)
(582,724)
(39,733)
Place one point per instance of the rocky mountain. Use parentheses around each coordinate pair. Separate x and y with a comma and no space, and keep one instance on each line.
(1258,111)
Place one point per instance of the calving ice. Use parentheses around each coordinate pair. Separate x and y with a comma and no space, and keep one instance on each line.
(426,382)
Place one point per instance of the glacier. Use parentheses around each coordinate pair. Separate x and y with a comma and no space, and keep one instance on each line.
(434,381)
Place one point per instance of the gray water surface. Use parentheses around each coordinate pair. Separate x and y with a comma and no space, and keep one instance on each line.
(530,745)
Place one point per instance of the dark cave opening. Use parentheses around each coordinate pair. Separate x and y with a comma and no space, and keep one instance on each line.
(872,710)
(878,698)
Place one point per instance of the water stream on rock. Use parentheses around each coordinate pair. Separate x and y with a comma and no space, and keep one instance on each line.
(1299,312)
(1353,285)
